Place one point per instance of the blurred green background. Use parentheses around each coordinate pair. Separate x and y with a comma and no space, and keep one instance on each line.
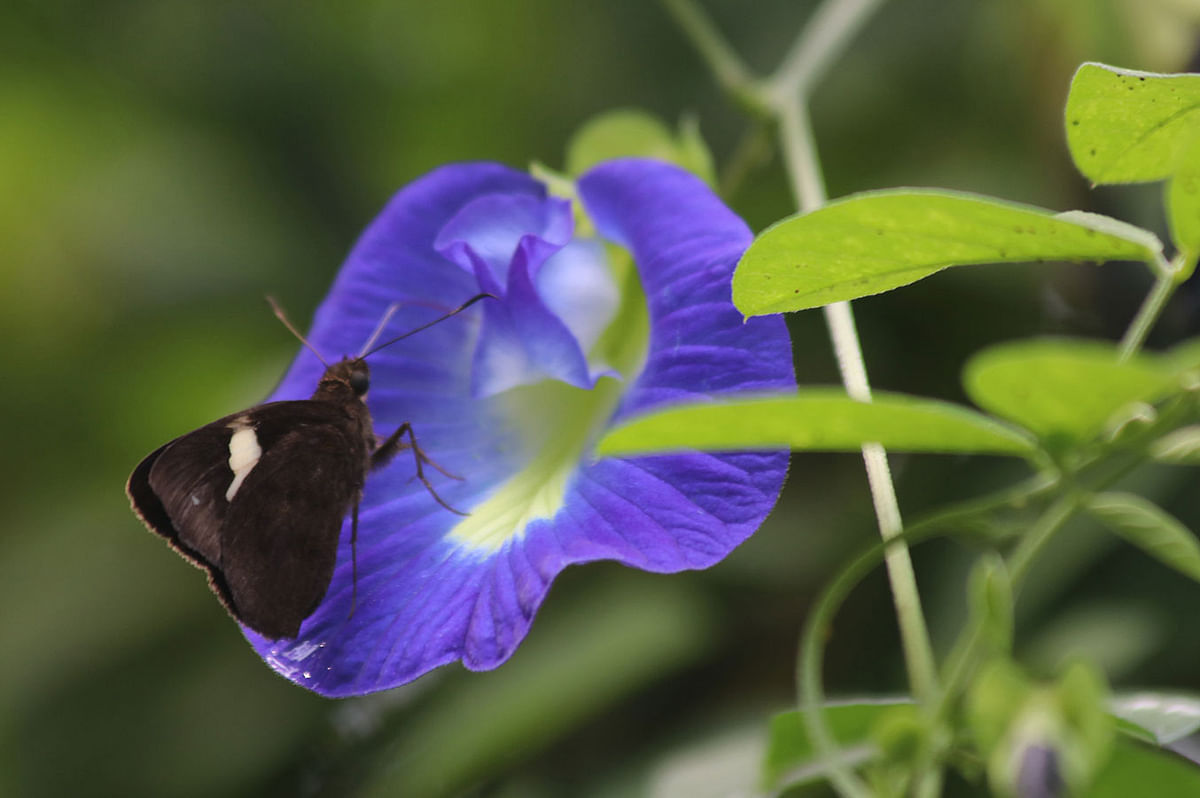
(164,164)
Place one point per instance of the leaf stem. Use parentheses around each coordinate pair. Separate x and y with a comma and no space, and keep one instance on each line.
(1036,539)
(1152,307)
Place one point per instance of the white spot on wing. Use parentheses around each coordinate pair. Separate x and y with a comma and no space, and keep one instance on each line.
(244,452)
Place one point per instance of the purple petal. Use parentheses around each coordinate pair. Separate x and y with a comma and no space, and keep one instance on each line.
(523,341)
(504,240)
(427,597)
(576,285)
(491,228)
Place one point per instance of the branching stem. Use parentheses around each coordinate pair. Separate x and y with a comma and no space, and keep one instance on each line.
(1152,306)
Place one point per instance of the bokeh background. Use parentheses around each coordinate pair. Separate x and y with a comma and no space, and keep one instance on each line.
(165,164)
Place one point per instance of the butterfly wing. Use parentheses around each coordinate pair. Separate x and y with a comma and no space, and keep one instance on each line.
(280,541)
(262,513)
(184,502)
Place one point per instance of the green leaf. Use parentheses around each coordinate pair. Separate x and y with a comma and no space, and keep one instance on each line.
(1134,769)
(1184,357)
(1167,716)
(1179,447)
(791,756)
(1062,390)
(876,241)
(1128,127)
(996,696)
(1134,731)
(991,602)
(1183,199)
(815,419)
(630,132)
(1083,698)
(1148,527)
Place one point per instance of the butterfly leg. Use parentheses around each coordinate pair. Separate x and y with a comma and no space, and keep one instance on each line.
(395,444)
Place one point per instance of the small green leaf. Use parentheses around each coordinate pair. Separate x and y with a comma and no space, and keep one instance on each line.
(1128,127)
(1134,769)
(815,419)
(903,734)
(1134,731)
(1148,527)
(876,241)
(990,591)
(791,757)
(628,132)
(1183,199)
(1062,389)
(1083,699)
(1167,716)
(1179,447)
(996,697)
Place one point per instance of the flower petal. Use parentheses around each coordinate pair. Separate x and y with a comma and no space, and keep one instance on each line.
(523,341)
(426,596)
(492,227)
(577,286)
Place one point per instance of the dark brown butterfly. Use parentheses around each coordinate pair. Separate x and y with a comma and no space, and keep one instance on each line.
(257,498)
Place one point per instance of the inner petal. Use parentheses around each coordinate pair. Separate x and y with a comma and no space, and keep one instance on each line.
(523,341)
(577,284)
(493,226)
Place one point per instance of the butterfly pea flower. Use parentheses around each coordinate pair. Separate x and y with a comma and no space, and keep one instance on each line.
(604,305)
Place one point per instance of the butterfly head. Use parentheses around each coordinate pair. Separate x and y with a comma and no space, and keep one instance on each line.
(350,376)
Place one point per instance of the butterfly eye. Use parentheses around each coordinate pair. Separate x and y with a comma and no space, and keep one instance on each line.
(359,382)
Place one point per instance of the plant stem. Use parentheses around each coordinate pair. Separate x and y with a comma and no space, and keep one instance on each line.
(808,185)
(819,44)
(800,156)
(1148,313)
(1037,537)
(727,67)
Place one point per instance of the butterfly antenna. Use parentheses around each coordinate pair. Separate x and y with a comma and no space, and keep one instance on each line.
(427,325)
(387,316)
(279,314)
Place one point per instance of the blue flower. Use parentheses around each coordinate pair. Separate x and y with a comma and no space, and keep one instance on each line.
(512,393)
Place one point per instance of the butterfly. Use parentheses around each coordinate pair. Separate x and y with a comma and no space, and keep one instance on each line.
(257,498)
